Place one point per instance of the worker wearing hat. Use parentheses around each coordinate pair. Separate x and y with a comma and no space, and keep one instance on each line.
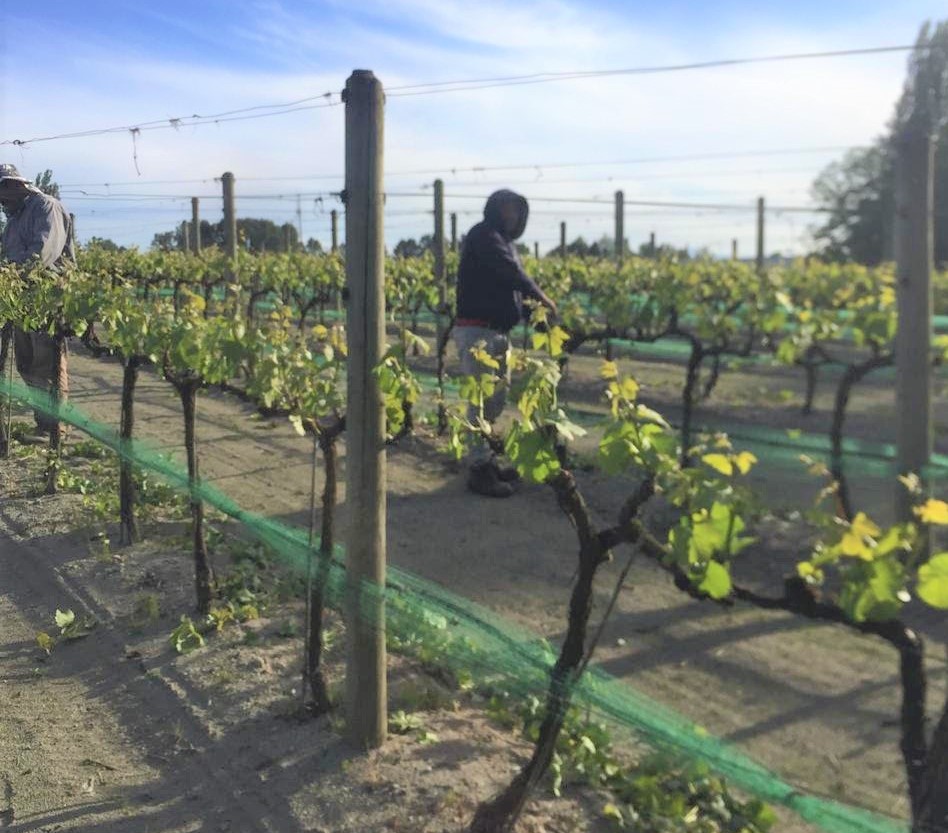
(38,230)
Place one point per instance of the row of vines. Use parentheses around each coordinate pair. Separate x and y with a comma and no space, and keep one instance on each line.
(267,330)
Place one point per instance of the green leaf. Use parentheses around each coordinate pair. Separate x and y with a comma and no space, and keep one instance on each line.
(932,585)
(720,463)
(717,581)
(64,618)
(297,422)
(610,811)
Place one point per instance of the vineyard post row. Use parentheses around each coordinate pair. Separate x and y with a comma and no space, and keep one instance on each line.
(367,720)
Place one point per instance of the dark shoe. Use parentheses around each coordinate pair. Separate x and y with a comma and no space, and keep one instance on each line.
(33,439)
(484,480)
(506,474)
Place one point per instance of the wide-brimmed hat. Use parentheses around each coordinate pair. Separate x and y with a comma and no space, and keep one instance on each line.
(11,172)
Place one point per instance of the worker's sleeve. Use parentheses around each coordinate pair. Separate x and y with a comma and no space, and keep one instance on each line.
(48,235)
(501,262)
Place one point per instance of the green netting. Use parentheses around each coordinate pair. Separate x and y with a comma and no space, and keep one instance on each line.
(468,638)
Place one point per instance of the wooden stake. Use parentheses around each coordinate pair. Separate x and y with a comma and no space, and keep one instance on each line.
(620,228)
(536,249)
(914,255)
(365,466)
(734,249)
(563,239)
(334,219)
(651,245)
(195,225)
(760,235)
(230,216)
(437,248)
(454,231)
(185,236)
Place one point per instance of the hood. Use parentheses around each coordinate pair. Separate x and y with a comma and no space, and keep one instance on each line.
(492,212)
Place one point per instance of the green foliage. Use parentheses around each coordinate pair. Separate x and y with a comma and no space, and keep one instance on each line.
(186,637)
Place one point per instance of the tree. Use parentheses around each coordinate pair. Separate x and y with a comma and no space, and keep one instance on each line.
(105,244)
(858,191)
(255,234)
(167,241)
(44,182)
(412,247)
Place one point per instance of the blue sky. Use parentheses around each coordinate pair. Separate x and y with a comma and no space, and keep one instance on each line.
(67,66)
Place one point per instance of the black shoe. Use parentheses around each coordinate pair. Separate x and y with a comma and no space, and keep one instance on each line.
(483,479)
(507,474)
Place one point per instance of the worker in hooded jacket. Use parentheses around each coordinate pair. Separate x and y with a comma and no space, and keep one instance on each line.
(38,230)
(492,286)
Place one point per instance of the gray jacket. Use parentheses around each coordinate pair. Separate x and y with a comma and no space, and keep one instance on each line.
(41,227)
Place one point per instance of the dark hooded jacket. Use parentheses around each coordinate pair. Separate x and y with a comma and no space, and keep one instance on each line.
(491,281)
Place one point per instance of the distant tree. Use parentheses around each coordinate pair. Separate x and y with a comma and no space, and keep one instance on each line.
(167,241)
(313,246)
(255,235)
(44,182)
(413,248)
(858,191)
(105,244)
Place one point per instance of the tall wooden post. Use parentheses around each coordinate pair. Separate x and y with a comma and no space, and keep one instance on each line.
(365,419)
(437,246)
(185,236)
(195,225)
(536,249)
(651,245)
(620,228)
(454,231)
(914,255)
(299,217)
(563,239)
(230,216)
(734,248)
(760,235)
(288,237)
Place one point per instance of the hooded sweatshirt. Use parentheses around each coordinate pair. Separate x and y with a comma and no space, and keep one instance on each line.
(491,281)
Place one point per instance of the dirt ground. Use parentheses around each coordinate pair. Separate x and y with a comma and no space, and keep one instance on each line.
(818,704)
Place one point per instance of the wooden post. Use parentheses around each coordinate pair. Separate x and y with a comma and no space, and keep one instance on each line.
(437,247)
(620,228)
(536,249)
(365,419)
(195,225)
(914,255)
(651,245)
(334,219)
(734,248)
(185,236)
(454,231)
(299,217)
(288,237)
(563,239)
(760,235)
(230,217)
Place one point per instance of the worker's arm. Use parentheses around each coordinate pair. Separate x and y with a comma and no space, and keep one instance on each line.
(501,262)
(47,234)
